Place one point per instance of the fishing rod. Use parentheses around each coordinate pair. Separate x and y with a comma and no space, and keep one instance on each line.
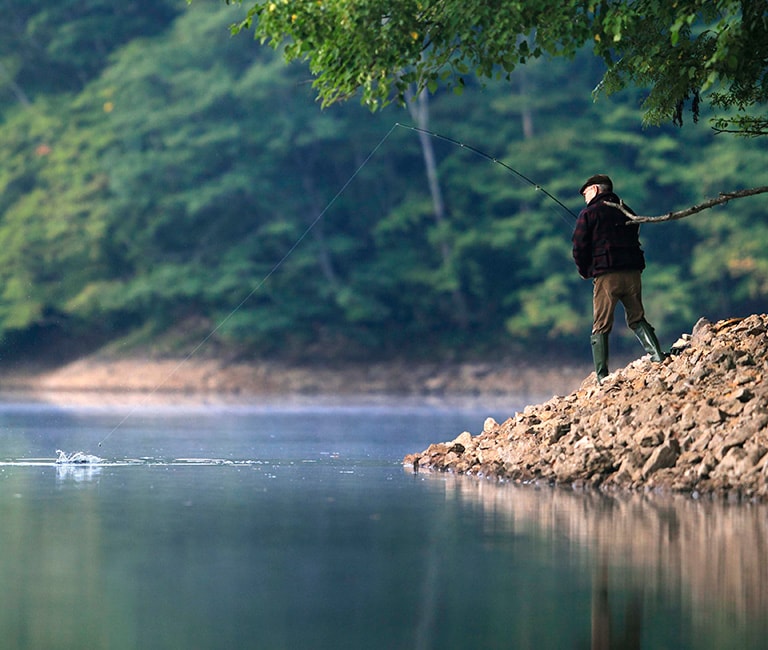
(306,232)
(492,159)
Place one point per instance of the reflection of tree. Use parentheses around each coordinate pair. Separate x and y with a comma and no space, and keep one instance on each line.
(604,636)
(710,553)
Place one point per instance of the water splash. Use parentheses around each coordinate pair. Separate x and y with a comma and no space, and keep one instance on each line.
(81,460)
(76,458)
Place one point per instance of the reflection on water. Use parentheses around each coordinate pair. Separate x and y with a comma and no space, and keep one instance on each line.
(65,472)
(710,555)
(256,528)
(605,633)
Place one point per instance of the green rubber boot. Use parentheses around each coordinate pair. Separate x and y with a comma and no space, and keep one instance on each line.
(599,344)
(647,337)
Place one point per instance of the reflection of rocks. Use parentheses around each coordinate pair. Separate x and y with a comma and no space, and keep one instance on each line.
(711,552)
(696,423)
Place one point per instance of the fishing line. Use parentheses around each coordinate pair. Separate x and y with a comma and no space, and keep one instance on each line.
(492,159)
(303,236)
(256,288)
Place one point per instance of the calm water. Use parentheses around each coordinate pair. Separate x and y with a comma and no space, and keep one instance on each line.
(294,526)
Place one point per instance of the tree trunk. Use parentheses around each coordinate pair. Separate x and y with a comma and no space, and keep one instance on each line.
(526,115)
(15,88)
(418,107)
(324,259)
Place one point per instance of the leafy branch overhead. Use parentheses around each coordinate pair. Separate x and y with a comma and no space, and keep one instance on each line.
(684,52)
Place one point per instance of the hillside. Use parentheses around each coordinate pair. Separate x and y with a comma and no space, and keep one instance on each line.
(696,423)
(162,179)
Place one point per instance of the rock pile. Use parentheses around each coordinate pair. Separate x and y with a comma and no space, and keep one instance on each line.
(695,423)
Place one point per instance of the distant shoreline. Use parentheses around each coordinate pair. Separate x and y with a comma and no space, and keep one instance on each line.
(521,379)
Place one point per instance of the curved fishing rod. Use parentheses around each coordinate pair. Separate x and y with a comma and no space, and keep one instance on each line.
(304,234)
(482,154)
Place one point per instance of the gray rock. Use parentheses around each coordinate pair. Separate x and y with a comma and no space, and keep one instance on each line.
(697,422)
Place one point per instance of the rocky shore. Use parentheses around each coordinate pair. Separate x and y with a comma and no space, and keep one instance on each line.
(697,423)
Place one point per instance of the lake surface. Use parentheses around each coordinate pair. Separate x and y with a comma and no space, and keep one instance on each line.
(294,525)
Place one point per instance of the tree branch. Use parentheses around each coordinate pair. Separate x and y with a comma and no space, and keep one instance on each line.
(724,197)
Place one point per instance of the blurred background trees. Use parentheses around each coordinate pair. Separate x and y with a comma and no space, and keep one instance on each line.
(155,172)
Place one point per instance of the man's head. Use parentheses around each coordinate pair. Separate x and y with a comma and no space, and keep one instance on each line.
(595,185)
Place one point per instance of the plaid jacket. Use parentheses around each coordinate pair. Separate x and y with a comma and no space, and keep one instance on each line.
(605,239)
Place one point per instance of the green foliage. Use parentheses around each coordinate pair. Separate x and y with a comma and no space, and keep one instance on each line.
(60,46)
(679,50)
(189,177)
(730,244)
(381,47)
(683,50)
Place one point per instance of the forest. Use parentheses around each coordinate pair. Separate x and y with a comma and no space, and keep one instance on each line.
(165,183)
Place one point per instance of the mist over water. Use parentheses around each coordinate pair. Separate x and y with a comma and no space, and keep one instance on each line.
(294,525)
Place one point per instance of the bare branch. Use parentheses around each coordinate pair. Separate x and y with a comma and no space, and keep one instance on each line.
(724,197)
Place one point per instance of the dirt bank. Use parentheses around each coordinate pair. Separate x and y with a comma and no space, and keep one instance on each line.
(521,379)
(696,423)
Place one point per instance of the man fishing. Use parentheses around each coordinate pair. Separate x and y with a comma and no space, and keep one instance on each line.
(606,249)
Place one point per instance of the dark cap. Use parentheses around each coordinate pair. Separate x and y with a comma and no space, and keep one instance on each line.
(597,179)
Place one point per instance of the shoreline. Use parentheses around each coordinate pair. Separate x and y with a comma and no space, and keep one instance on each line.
(269,379)
(696,423)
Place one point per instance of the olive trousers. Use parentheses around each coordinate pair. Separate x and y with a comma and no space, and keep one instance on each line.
(610,289)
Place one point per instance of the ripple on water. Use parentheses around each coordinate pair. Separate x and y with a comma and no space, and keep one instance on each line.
(83,460)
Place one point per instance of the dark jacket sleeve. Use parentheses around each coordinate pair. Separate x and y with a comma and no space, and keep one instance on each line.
(582,245)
